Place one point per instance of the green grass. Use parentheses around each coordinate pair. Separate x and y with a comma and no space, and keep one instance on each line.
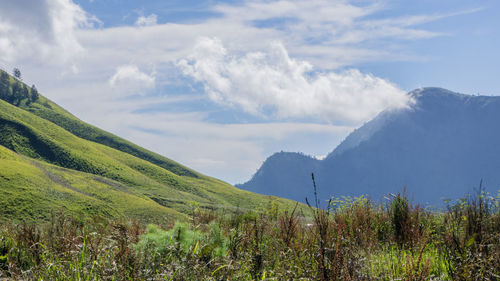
(397,263)
(98,169)
(33,190)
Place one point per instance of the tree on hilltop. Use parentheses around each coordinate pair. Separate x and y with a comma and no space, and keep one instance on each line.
(17,73)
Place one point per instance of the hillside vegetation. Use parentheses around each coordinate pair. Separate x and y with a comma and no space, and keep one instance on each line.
(47,150)
(29,188)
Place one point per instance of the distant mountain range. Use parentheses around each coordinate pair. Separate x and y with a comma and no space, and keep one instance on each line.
(440,148)
(52,161)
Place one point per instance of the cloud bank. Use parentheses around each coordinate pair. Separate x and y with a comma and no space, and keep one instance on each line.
(272,83)
(44,32)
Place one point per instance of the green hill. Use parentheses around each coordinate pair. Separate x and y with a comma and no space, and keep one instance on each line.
(51,160)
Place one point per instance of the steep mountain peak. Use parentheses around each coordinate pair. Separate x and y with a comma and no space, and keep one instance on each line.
(436,91)
(434,96)
(442,102)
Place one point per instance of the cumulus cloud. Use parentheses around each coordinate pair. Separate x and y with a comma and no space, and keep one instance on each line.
(147,21)
(130,78)
(271,81)
(45,32)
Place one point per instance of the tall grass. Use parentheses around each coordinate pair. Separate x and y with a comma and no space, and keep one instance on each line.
(348,239)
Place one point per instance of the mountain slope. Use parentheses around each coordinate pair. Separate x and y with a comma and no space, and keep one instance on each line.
(440,148)
(38,133)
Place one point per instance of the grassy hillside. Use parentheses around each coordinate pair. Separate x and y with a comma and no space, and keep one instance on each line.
(91,161)
(31,188)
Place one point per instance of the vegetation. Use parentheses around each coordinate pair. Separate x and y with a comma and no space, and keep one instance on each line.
(45,165)
(30,189)
(352,239)
(17,73)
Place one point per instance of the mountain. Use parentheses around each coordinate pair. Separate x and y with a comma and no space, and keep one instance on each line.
(442,147)
(51,161)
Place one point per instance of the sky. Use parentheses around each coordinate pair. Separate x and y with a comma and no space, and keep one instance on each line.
(221,85)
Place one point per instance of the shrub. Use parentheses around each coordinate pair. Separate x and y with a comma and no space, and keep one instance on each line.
(400,218)
(177,240)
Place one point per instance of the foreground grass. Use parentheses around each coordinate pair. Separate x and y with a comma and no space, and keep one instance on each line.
(352,239)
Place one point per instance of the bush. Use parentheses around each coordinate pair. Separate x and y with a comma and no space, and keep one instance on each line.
(177,240)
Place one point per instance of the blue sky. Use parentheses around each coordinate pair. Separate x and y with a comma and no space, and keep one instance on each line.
(221,85)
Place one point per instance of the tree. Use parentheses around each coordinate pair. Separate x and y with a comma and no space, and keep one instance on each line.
(16,93)
(34,94)
(4,85)
(25,93)
(17,73)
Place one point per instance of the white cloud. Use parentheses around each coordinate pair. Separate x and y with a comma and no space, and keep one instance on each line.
(43,33)
(327,21)
(147,21)
(130,78)
(309,12)
(258,82)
